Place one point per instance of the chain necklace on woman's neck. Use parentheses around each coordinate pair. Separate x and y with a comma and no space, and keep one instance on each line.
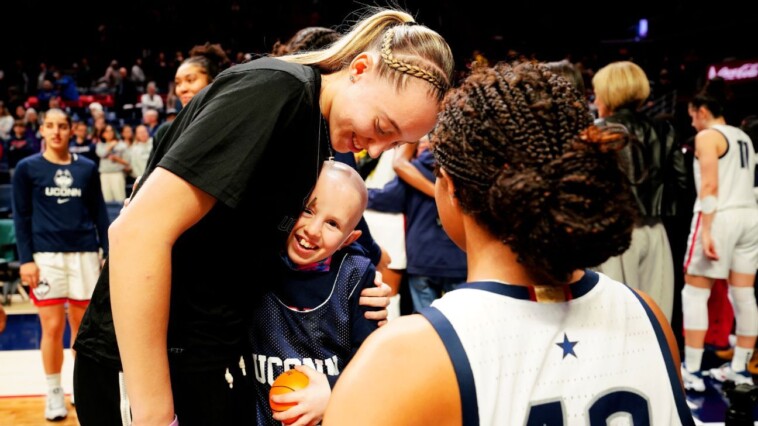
(328,145)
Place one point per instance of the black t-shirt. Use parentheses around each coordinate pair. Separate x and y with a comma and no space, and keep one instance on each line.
(254,140)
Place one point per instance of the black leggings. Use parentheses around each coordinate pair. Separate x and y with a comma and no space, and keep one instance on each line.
(200,398)
(96,391)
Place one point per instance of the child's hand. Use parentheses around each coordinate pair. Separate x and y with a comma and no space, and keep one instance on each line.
(311,401)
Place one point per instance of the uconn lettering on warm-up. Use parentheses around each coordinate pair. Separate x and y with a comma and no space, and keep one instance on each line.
(267,368)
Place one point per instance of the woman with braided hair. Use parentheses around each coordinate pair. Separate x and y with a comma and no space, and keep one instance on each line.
(171,306)
(535,196)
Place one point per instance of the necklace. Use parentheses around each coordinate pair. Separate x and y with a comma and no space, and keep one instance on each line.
(328,144)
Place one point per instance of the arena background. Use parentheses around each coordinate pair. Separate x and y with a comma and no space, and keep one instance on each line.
(682,39)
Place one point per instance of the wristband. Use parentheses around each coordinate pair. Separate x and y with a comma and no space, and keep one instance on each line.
(175,422)
(708,204)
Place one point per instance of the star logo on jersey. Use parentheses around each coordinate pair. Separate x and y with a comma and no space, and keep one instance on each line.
(567,346)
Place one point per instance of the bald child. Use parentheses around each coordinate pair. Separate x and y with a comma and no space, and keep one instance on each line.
(312,321)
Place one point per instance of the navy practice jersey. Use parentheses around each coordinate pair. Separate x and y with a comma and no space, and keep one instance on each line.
(58,208)
(324,336)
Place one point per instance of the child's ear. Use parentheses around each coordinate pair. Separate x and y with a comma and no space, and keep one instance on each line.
(352,238)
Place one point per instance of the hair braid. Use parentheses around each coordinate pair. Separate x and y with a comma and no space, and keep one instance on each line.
(408,50)
(400,66)
(511,138)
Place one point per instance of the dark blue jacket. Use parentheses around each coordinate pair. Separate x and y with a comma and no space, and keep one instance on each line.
(430,252)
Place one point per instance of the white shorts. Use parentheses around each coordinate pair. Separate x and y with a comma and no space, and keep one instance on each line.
(735,235)
(66,277)
(388,230)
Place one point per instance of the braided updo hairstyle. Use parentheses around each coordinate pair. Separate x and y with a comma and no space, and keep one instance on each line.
(518,143)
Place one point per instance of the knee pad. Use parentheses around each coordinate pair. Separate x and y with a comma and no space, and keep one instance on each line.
(695,307)
(745,310)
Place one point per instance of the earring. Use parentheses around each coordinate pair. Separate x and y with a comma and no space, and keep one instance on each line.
(352,79)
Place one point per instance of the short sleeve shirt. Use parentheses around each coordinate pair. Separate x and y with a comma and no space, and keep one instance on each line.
(254,140)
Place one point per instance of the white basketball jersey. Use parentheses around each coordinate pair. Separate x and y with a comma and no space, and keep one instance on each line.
(736,170)
(600,358)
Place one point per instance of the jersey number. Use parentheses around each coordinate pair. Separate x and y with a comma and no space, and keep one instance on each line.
(743,154)
(598,413)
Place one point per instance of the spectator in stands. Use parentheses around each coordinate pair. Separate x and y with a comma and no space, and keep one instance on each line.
(114,163)
(151,120)
(127,134)
(32,127)
(151,99)
(137,75)
(162,72)
(172,99)
(139,151)
(125,95)
(84,74)
(96,111)
(98,126)
(56,102)
(20,145)
(44,94)
(81,143)
(44,74)
(6,122)
(20,111)
(110,79)
(66,86)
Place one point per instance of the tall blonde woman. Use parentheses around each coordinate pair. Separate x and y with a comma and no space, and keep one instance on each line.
(234,169)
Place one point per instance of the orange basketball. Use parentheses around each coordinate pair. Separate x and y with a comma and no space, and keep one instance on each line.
(289,381)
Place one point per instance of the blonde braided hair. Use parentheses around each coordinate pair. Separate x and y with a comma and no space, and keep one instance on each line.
(401,66)
(415,51)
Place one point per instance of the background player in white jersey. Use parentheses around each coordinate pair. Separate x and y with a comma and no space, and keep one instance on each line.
(723,241)
(535,197)
(61,224)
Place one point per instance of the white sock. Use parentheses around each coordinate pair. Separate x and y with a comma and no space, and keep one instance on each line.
(53,381)
(741,357)
(393,310)
(692,359)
